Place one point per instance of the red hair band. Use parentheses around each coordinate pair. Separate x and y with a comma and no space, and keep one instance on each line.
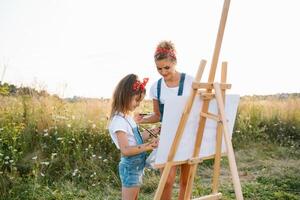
(138,85)
(169,52)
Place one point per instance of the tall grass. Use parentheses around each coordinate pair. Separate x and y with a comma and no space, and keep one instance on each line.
(57,149)
(272,120)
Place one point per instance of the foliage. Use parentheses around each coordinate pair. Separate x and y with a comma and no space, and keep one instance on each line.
(52,148)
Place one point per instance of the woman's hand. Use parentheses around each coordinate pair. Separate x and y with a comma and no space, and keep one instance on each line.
(138,117)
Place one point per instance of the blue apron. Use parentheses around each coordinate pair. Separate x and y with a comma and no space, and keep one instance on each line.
(180,91)
(131,168)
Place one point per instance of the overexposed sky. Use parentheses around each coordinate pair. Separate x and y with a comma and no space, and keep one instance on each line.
(83,48)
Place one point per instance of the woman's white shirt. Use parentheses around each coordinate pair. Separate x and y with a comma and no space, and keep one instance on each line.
(171,91)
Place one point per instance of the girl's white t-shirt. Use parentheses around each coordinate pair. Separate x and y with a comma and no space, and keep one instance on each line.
(118,123)
(171,91)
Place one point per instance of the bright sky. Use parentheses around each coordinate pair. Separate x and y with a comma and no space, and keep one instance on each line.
(83,48)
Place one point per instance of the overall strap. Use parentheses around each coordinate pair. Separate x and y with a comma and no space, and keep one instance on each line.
(181,84)
(160,105)
(137,136)
(158,89)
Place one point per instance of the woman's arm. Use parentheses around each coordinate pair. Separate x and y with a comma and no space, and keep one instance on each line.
(127,150)
(155,117)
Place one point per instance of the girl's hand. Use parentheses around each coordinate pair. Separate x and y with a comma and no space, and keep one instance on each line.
(152,144)
(156,130)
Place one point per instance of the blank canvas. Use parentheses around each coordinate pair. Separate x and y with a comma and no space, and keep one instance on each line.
(173,110)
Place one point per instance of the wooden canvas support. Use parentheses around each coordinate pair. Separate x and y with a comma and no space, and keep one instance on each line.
(217,160)
(179,133)
(212,90)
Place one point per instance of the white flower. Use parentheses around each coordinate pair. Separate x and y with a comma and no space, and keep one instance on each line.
(69,125)
(94,126)
(45,163)
(42,174)
(34,158)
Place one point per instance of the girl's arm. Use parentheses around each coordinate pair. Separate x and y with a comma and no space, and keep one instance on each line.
(155,117)
(127,150)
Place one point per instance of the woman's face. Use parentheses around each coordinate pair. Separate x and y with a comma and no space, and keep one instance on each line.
(165,68)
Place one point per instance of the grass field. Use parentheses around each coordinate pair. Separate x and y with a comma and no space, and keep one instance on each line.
(52,148)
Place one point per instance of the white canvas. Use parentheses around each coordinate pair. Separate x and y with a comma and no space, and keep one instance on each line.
(172,113)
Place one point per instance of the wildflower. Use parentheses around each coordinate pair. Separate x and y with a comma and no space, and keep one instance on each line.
(34,158)
(42,174)
(100,157)
(93,155)
(94,126)
(105,160)
(53,155)
(1,154)
(75,172)
(11,161)
(45,163)
(59,138)
(69,125)
(46,134)
(6,158)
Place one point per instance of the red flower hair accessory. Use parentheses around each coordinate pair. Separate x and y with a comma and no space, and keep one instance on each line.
(169,52)
(138,85)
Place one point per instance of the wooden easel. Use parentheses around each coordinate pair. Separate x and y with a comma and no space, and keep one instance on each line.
(209,91)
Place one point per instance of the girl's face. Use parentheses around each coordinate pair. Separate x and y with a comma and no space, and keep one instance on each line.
(135,101)
(165,68)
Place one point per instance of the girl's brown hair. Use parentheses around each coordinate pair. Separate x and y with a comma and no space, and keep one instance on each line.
(123,94)
(165,50)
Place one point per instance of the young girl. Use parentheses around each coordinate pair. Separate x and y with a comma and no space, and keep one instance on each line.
(172,83)
(126,136)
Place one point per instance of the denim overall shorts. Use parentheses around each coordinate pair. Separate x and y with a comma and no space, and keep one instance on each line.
(131,168)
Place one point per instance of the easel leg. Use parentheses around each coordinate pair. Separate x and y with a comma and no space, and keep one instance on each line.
(230,153)
(217,161)
(162,181)
(189,187)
